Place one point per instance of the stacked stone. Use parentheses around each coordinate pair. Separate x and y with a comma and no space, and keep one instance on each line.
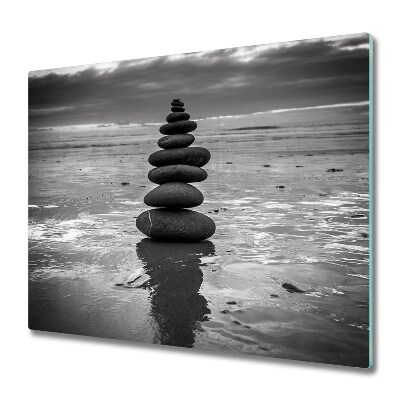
(177,165)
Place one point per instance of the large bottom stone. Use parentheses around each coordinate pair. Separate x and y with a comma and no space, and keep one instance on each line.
(175,225)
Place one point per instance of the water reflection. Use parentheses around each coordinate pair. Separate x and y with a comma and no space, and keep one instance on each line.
(177,307)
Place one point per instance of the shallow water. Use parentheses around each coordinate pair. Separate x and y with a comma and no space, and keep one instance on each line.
(224,294)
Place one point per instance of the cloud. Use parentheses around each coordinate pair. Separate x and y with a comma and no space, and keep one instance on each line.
(213,83)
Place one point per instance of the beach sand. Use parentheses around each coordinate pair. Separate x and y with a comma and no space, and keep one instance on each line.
(281,219)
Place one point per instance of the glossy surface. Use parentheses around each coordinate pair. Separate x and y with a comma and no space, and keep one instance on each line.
(91,271)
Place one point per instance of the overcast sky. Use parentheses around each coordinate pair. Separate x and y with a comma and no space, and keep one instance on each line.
(241,80)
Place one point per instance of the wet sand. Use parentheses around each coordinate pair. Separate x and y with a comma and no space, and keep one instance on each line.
(286,275)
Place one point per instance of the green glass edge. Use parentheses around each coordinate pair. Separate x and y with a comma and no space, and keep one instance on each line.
(371,192)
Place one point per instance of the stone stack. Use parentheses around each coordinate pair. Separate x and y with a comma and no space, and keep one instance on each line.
(177,165)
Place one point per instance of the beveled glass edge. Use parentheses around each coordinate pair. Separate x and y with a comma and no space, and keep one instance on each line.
(371,200)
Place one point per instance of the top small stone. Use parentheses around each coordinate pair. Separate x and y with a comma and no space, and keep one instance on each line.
(176,99)
(177,103)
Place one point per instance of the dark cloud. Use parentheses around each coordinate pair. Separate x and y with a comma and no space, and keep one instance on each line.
(230,81)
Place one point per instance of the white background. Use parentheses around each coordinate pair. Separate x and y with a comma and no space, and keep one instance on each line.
(44,34)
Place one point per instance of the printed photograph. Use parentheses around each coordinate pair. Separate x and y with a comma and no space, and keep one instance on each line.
(217,200)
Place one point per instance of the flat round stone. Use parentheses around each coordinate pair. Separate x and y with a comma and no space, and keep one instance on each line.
(177,116)
(196,156)
(178,127)
(175,225)
(176,141)
(177,173)
(177,103)
(177,109)
(174,195)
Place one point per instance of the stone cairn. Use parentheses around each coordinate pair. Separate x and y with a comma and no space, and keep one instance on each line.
(176,165)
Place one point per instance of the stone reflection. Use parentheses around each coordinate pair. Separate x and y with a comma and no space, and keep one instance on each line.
(175,279)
